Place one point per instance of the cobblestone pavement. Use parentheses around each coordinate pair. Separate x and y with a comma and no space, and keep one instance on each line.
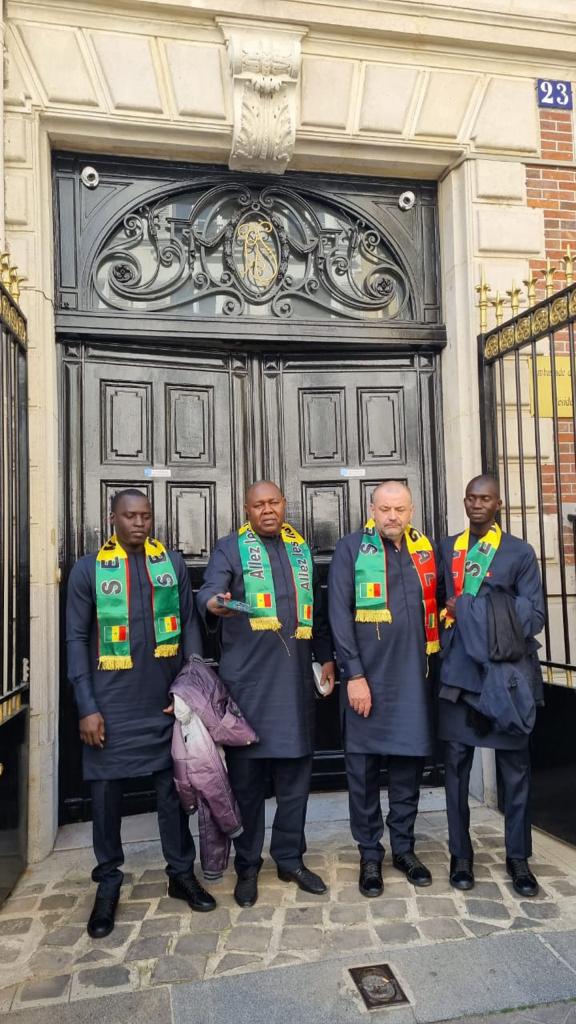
(47,958)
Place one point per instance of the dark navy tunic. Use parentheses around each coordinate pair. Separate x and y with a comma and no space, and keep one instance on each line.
(515,568)
(138,734)
(392,656)
(269,674)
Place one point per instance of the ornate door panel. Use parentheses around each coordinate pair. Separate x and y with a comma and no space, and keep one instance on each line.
(174,428)
(335,428)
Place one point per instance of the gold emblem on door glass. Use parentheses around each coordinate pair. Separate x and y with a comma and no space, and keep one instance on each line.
(259,259)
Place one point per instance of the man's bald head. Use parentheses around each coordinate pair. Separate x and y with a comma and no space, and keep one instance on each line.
(265,508)
(390,487)
(482,503)
(391,509)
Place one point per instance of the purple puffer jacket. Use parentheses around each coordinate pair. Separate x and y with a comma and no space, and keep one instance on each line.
(199,771)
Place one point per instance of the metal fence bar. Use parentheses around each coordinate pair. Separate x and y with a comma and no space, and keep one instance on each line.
(541,531)
(559,505)
(14,512)
(520,429)
(504,445)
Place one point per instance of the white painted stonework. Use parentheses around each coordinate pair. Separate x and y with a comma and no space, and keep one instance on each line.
(432,90)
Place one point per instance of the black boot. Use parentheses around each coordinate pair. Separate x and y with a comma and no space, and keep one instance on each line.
(187,887)
(523,880)
(101,920)
(461,873)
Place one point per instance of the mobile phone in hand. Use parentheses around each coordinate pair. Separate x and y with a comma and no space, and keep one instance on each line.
(321,687)
(233,606)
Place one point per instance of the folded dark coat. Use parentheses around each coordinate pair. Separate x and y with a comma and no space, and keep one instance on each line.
(493,628)
(207,717)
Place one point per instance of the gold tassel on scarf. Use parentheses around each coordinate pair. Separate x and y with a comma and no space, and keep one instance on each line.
(373,615)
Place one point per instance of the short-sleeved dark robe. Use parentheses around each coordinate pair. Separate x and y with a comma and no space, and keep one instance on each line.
(515,568)
(392,656)
(138,734)
(269,674)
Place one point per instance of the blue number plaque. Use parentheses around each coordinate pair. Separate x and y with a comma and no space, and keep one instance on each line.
(554,94)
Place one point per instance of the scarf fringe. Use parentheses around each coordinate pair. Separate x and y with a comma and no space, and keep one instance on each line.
(373,615)
(166,650)
(111,662)
(303,633)
(432,647)
(261,624)
(447,619)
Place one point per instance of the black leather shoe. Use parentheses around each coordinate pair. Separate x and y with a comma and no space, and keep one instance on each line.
(370,882)
(415,871)
(523,881)
(305,880)
(246,891)
(101,920)
(187,887)
(461,874)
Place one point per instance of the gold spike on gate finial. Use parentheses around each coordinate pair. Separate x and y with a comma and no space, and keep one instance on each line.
(5,268)
(14,283)
(498,303)
(549,277)
(568,261)
(531,283)
(514,296)
(483,290)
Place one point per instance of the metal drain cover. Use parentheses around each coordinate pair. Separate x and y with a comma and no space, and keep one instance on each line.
(378,986)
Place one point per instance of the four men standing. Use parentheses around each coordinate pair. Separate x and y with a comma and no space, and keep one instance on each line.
(131,618)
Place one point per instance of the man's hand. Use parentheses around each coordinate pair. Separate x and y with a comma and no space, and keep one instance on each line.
(359,696)
(216,609)
(451,606)
(92,731)
(328,676)
(169,710)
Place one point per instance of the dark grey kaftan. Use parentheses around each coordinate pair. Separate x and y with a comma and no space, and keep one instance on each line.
(138,734)
(269,674)
(392,656)
(515,568)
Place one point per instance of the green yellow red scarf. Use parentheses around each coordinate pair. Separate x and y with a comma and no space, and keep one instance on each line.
(469,568)
(371,580)
(259,584)
(113,603)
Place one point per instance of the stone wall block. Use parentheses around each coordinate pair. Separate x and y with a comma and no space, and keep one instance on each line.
(196,74)
(128,70)
(58,60)
(508,117)
(326,92)
(16,140)
(445,104)
(509,229)
(18,89)
(386,98)
(16,198)
(500,179)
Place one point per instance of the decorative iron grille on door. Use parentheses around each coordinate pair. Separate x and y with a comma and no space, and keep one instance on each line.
(528,403)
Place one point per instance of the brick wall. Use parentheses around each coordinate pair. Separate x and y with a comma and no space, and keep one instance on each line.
(553,190)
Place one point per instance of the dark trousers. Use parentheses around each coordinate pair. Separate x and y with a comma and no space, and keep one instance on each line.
(366,822)
(291,777)
(177,843)
(514,769)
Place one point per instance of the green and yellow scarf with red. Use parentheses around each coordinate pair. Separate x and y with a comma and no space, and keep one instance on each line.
(259,584)
(371,586)
(469,567)
(113,603)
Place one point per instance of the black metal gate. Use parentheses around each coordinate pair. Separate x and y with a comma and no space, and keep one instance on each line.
(14,582)
(527,373)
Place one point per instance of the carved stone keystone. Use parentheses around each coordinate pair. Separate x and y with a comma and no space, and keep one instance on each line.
(265,66)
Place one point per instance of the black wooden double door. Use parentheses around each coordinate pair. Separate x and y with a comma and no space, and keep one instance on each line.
(193,430)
